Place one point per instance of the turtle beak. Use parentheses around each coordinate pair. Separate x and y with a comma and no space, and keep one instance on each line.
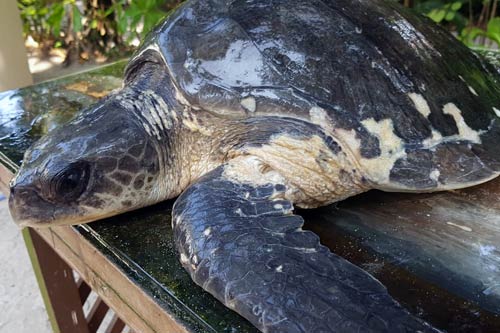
(26,207)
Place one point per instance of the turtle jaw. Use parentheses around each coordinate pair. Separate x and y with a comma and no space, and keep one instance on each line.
(28,209)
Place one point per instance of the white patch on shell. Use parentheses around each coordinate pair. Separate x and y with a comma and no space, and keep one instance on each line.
(207,232)
(279,269)
(359,30)
(435,139)
(391,147)
(420,104)
(249,104)
(472,90)
(464,131)
(153,47)
(497,111)
(434,175)
(413,37)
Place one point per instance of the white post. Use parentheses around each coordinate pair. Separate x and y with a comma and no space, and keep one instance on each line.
(14,71)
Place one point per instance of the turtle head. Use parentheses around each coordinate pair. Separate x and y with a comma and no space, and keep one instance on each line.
(100,164)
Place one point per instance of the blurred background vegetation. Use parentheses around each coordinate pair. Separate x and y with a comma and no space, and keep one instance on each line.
(86,29)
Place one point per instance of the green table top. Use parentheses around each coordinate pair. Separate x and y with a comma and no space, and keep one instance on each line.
(442,265)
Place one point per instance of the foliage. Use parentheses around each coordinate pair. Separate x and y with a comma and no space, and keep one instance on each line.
(90,27)
(87,27)
(475,22)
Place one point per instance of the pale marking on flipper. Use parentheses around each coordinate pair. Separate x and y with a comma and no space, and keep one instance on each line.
(392,149)
(278,206)
(465,132)
(249,104)
(464,228)
(420,104)
(497,111)
(434,175)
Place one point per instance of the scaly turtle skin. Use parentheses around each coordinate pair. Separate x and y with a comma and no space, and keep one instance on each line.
(246,108)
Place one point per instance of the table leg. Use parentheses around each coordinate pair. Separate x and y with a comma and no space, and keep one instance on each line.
(57,286)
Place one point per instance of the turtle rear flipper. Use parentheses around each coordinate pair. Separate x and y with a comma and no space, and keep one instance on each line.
(239,240)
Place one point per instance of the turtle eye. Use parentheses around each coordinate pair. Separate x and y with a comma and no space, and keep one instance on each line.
(70,183)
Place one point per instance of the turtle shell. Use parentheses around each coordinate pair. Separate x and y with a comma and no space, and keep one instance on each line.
(416,108)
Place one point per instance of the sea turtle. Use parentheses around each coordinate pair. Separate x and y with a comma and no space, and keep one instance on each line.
(245,108)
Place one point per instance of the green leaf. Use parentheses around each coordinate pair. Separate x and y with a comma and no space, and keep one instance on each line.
(494,26)
(450,16)
(456,6)
(469,35)
(55,17)
(122,26)
(77,19)
(151,20)
(437,15)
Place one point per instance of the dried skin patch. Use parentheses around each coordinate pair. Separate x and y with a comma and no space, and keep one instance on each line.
(320,117)
(314,176)
(192,123)
(155,116)
(248,170)
(420,104)
(465,132)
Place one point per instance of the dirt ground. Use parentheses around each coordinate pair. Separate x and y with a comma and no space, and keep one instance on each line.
(21,306)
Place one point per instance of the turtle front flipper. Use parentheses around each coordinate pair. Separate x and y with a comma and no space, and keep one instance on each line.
(240,241)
